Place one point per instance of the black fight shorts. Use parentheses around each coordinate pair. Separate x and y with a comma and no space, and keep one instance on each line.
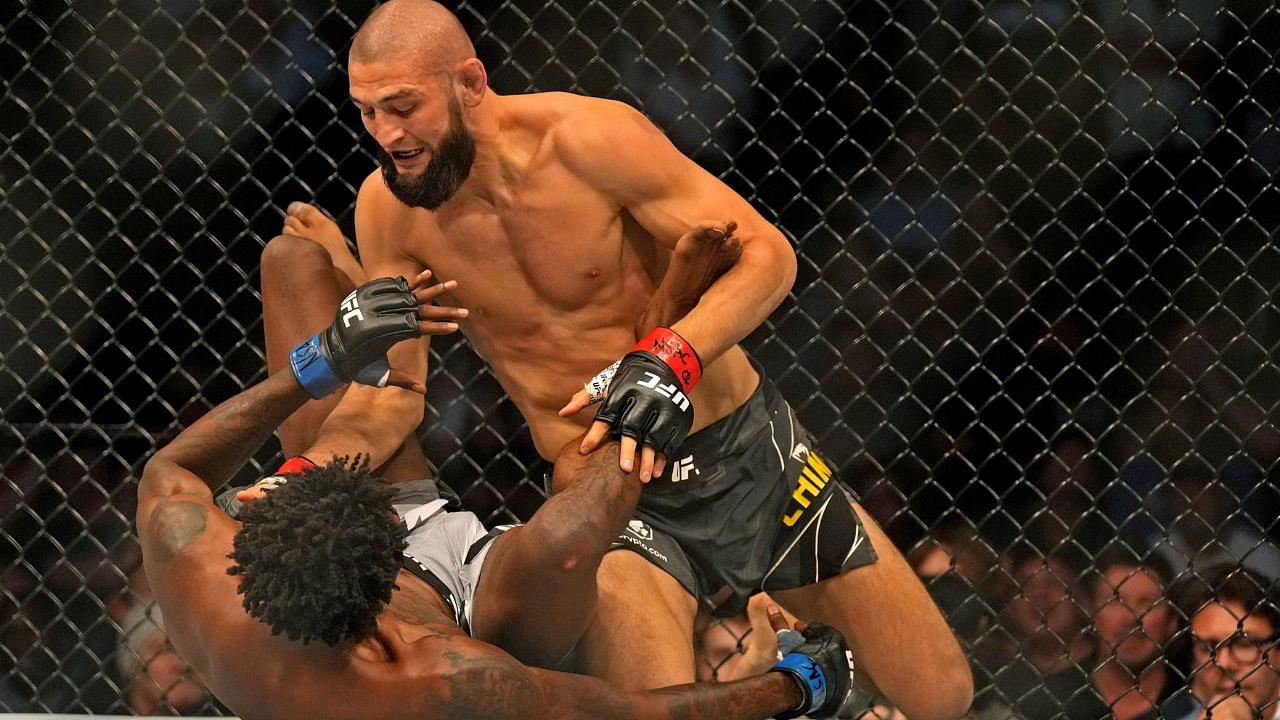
(747,504)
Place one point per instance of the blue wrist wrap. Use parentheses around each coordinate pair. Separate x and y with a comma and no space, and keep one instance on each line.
(312,370)
(810,673)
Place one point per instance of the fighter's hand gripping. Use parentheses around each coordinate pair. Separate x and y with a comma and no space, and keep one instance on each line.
(646,400)
(820,661)
(375,316)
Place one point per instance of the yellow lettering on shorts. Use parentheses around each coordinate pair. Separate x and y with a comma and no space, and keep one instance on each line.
(814,476)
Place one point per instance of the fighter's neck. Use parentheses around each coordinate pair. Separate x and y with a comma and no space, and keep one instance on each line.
(506,135)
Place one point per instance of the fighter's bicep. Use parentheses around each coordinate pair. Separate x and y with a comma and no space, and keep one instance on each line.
(381,255)
(663,189)
(669,211)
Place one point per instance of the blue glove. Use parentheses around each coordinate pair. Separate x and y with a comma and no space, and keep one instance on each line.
(375,316)
(821,664)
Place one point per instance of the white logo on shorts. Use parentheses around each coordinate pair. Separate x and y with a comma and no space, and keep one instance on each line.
(800,452)
(640,529)
(683,470)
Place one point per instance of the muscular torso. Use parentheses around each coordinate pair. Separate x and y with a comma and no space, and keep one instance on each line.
(554,274)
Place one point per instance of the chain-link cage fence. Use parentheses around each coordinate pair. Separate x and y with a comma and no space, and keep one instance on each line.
(1034,323)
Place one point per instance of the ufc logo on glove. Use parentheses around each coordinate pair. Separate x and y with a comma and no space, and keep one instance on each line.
(671,391)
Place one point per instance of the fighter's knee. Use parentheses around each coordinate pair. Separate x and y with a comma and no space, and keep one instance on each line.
(949,698)
(286,255)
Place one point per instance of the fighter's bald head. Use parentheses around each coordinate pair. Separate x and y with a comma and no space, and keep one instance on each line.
(424,29)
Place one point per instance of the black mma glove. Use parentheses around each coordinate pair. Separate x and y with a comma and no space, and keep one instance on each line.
(821,663)
(648,393)
(375,316)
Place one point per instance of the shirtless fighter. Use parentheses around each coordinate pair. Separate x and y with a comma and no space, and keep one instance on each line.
(386,579)
(555,214)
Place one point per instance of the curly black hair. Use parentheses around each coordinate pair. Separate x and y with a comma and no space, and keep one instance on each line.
(318,556)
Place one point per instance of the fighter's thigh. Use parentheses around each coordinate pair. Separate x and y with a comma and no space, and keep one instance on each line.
(856,598)
(642,634)
(893,627)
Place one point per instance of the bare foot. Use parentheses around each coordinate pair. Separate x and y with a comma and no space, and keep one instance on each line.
(701,256)
(307,221)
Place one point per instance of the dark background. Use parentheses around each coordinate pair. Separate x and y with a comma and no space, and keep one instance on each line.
(1037,274)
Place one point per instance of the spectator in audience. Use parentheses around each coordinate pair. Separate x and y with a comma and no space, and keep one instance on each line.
(962,573)
(1206,527)
(1037,661)
(1235,665)
(954,544)
(1133,623)
(155,680)
(1057,509)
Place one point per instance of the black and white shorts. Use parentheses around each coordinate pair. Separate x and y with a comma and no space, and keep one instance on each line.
(747,504)
(445,547)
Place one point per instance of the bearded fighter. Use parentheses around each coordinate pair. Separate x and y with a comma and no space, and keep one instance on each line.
(556,215)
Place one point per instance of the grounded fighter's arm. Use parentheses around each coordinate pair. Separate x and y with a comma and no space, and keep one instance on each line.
(375,421)
(493,685)
(667,193)
(591,501)
(473,679)
(538,590)
(812,678)
(206,454)
(175,496)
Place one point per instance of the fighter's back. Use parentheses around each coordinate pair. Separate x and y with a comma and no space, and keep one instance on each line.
(552,242)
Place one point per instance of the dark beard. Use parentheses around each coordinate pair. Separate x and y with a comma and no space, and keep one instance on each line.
(442,177)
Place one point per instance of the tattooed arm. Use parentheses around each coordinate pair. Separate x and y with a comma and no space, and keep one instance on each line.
(206,454)
(482,681)
(575,696)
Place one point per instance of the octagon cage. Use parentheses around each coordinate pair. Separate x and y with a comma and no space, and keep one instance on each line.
(1034,325)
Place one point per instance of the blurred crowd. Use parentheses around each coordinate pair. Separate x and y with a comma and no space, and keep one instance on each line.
(1034,323)
(1124,639)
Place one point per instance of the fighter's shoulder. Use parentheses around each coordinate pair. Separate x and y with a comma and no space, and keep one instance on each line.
(378,213)
(184,525)
(589,129)
(374,194)
(175,524)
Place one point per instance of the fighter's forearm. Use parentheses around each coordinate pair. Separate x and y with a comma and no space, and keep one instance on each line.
(592,502)
(216,445)
(741,299)
(762,696)
(501,689)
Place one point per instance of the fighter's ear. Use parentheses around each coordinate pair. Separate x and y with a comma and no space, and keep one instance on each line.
(473,82)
